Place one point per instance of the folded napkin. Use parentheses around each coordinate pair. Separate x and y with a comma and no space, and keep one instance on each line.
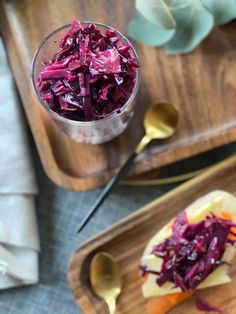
(19,243)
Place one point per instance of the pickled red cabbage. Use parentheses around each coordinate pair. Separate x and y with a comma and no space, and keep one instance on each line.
(204,306)
(91,76)
(193,251)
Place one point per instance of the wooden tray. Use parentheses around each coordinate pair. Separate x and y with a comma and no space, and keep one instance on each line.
(202,84)
(127,239)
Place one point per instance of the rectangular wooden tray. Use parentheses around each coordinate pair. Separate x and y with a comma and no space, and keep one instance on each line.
(201,84)
(127,239)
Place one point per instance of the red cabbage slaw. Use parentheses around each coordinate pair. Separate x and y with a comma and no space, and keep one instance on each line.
(204,306)
(91,76)
(193,251)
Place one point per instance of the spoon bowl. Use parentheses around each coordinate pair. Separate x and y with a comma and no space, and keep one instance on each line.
(105,279)
(161,120)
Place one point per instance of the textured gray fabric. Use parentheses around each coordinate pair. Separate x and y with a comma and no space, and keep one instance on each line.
(19,243)
(58,213)
(17,176)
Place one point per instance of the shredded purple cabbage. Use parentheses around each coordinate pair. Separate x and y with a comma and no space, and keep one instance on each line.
(204,306)
(193,251)
(91,76)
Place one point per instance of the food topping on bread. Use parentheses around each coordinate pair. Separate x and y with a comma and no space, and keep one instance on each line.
(194,250)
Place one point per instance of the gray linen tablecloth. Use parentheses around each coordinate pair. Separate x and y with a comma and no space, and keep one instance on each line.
(58,213)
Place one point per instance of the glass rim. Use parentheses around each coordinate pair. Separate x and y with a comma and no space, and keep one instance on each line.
(56,115)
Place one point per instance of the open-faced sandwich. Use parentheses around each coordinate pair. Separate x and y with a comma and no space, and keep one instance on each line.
(193,251)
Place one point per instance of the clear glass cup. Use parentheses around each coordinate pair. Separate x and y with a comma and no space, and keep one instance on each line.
(93,132)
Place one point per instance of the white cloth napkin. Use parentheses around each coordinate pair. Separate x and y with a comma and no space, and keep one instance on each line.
(19,243)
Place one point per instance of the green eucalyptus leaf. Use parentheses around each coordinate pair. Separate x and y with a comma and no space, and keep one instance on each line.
(157,12)
(142,30)
(194,23)
(223,10)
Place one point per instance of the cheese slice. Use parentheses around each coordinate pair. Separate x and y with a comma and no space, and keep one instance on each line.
(215,202)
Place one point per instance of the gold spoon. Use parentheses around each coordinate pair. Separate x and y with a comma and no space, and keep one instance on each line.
(105,279)
(160,122)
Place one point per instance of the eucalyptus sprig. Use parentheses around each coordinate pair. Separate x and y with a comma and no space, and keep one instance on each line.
(178,25)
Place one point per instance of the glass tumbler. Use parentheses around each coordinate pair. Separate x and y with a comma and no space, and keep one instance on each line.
(92,132)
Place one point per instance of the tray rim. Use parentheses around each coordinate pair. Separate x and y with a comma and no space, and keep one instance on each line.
(73,272)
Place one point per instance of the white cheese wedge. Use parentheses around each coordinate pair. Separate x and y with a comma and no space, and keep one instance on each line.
(215,202)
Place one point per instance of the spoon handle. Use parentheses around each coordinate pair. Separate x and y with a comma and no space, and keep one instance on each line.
(111,303)
(107,190)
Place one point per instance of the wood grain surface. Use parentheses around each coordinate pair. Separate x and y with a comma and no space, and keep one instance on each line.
(127,239)
(202,85)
